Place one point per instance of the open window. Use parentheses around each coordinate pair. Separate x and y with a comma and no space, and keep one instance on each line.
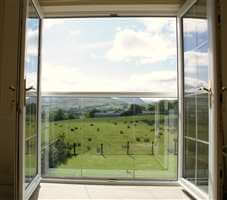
(113,100)
(30,174)
(198,99)
(107,111)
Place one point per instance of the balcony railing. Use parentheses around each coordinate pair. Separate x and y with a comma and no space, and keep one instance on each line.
(108,135)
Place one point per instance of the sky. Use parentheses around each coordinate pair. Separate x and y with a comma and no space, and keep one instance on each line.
(118,54)
(109,55)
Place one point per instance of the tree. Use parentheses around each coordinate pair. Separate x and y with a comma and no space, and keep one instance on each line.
(59,115)
(71,115)
(134,109)
(59,152)
(151,107)
(91,114)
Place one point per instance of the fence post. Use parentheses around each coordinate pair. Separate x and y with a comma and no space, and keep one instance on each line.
(128,147)
(175,146)
(102,153)
(74,149)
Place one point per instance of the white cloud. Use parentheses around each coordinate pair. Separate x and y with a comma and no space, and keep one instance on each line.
(141,45)
(32,33)
(136,45)
(93,56)
(74,32)
(70,79)
(32,42)
(31,79)
(158,81)
(155,76)
(58,77)
(97,45)
(195,25)
(50,23)
(192,84)
(159,25)
(195,60)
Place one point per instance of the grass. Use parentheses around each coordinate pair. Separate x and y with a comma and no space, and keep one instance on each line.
(121,166)
(151,155)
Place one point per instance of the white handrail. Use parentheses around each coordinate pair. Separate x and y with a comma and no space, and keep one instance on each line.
(112,94)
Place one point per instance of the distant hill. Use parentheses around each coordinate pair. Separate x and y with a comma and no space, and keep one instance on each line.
(68,102)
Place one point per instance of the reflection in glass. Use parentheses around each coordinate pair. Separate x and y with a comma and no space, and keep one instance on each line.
(196,106)
(190,116)
(31,158)
(202,166)
(203,117)
(31,75)
(190,161)
(195,48)
(109,137)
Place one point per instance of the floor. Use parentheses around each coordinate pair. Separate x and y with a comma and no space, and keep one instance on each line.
(49,191)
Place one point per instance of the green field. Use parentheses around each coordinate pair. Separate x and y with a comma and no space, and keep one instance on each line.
(131,147)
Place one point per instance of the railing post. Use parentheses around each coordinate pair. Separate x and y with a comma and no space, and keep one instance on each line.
(128,147)
(102,152)
(74,149)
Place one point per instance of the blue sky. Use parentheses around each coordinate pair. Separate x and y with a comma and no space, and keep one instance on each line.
(109,54)
(112,54)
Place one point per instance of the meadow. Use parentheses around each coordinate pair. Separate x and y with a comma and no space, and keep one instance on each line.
(139,146)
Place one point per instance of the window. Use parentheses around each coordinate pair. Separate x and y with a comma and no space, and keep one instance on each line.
(109,98)
(196,106)
(31,76)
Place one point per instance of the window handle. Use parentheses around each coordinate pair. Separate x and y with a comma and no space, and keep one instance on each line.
(210,94)
(30,88)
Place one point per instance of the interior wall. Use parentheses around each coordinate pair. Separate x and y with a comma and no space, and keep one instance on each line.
(9,62)
(224,80)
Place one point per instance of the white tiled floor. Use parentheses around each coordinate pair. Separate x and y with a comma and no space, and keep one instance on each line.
(49,191)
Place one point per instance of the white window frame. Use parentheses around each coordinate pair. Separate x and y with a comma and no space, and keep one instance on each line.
(213,112)
(118,181)
(25,193)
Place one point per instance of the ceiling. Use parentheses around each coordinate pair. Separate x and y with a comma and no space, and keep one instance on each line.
(70,8)
(105,2)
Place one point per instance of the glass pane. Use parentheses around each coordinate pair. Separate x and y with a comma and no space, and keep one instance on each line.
(30,158)
(202,166)
(196,106)
(195,48)
(190,116)
(203,117)
(202,64)
(31,75)
(109,137)
(190,160)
